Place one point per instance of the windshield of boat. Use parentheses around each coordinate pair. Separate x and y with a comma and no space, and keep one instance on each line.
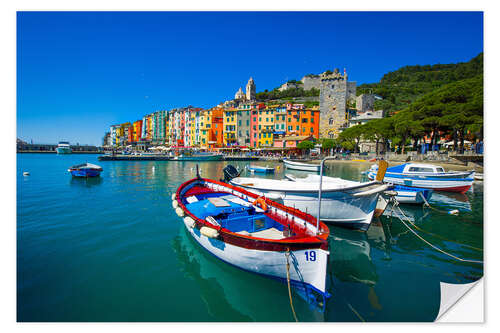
(421,169)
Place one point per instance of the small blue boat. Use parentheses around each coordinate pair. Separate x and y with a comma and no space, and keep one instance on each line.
(85,170)
(260,169)
(412,195)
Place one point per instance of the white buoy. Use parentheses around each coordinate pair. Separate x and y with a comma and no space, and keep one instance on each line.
(175,204)
(453,212)
(173,196)
(209,232)
(179,212)
(189,222)
(26,173)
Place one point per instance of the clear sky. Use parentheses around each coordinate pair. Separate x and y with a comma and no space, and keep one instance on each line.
(80,72)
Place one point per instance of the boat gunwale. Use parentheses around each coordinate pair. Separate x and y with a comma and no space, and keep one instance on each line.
(316,241)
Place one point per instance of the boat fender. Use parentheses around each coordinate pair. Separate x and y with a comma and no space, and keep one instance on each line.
(173,196)
(209,232)
(175,204)
(260,201)
(179,211)
(189,222)
(453,212)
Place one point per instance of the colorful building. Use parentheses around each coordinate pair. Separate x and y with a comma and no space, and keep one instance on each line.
(229,123)
(266,127)
(137,125)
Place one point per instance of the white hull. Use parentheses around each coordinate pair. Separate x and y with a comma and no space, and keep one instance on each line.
(301,166)
(430,183)
(343,206)
(271,263)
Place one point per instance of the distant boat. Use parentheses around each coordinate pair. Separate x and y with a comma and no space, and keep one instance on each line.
(63,148)
(478,176)
(260,169)
(85,170)
(190,155)
(289,164)
(426,176)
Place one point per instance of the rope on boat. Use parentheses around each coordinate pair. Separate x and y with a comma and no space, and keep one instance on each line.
(287,255)
(428,243)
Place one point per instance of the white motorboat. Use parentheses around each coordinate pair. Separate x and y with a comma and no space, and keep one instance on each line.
(426,176)
(289,164)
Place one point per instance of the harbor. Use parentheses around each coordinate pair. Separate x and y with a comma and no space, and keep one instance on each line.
(127,258)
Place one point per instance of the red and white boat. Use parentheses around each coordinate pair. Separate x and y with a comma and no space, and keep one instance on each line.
(256,234)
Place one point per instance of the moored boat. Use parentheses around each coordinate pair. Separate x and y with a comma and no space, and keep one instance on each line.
(289,164)
(260,169)
(199,157)
(346,203)
(63,147)
(426,176)
(256,234)
(85,170)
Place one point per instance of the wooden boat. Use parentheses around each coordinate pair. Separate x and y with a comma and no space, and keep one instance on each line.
(260,169)
(346,203)
(85,170)
(256,234)
(426,176)
(289,164)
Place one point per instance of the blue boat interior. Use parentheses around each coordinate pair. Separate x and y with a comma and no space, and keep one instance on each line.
(234,214)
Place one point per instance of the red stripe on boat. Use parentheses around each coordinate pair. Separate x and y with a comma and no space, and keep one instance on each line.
(249,242)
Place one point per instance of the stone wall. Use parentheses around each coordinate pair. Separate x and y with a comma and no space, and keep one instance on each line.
(364,102)
(310,82)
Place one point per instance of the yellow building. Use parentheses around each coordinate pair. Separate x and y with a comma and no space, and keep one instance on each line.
(205,123)
(192,129)
(229,126)
(266,127)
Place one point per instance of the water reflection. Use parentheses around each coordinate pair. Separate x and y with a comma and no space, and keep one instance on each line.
(85,182)
(232,294)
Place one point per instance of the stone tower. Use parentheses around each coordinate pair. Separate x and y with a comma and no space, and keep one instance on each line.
(335,93)
(250,90)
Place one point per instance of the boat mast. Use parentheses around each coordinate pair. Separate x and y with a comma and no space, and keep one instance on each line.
(319,192)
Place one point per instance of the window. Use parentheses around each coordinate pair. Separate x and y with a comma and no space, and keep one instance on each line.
(239,133)
(419,169)
(330,121)
(304,120)
(289,128)
(239,122)
(312,120)
(439,169)
(297,127)
(248,122)
(260,126)
(254,119)
(267,120)
(260,119)
(216,127)
(289,120)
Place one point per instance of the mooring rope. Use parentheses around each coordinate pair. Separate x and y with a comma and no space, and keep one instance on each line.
(427,204)
(428,243)
(431,233)
(287,255)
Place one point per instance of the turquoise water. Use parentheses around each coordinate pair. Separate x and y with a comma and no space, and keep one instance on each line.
(112,249)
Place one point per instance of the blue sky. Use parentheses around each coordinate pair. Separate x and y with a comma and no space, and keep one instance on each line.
(79,72)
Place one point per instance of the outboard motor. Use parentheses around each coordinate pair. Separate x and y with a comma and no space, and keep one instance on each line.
(230,172)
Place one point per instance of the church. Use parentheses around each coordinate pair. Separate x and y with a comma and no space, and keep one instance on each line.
(250,92)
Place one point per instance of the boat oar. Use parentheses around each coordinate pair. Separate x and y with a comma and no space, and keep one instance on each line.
(382,168)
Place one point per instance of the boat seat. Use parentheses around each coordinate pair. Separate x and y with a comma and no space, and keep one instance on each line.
(191,199)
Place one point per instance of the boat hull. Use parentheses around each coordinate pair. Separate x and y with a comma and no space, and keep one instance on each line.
(301,166)
(305,274)
(85,173)
(460,185)
(63,150)
(261,170)
(341,208)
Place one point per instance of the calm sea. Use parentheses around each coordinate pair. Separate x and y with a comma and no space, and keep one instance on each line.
(112,249)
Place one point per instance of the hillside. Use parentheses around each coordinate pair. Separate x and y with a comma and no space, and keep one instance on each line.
(405,85)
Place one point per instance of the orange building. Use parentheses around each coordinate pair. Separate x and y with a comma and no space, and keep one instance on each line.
(137,125)
(302,122)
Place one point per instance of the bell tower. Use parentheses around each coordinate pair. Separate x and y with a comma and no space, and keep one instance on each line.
(250,90)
